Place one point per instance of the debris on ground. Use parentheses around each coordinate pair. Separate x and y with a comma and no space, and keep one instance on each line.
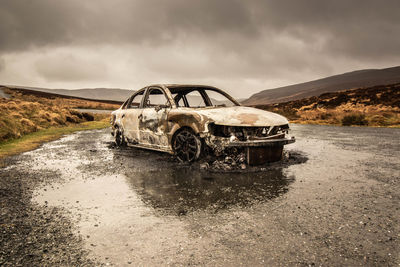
(235,162)
(225,163)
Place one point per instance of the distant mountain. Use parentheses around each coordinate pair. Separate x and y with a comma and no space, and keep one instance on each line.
(114,94)
(350,80)
(7,92)
(102,94)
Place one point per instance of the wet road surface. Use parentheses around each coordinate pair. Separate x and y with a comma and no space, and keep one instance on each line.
(79,201)
(96,111)
(3,94)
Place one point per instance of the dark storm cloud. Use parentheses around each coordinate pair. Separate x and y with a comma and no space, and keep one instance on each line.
(357,28)
(254,44)
(71,68)
(2,64)
(49,22)
(360,28)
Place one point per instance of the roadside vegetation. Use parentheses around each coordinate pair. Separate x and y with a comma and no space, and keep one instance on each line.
(377,106)
(27,120)
(33,140)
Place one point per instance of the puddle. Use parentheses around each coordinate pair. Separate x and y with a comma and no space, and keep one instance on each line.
(115,195)
(108,214)
(180,191)
(141,207)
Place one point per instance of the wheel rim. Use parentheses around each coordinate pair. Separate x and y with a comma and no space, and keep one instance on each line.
(186,146)
(118,138)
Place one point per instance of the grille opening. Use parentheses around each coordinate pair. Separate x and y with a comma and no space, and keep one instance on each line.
(246,133)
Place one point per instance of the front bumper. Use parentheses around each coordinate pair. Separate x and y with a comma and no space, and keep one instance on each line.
(258,151)
(262,142)
(262,151)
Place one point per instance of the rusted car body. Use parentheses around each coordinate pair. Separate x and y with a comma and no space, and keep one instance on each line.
(189,120)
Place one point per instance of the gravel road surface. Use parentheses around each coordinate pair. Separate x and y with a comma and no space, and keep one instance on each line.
(80,201)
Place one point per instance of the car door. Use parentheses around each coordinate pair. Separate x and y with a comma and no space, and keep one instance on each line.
(131,115)
(153,123)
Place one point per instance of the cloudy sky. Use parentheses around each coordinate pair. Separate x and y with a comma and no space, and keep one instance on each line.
(240,46)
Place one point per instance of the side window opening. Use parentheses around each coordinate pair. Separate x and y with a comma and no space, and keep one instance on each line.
(180,102)
(192,99)
(195,99)
(156,98)
(136,100)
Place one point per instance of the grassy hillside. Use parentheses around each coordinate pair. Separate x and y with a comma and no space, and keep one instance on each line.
(346,81)
(113,94)
(25,112)
(372,106)
(35,95)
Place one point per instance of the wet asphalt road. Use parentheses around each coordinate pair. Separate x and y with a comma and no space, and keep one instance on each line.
(79,201)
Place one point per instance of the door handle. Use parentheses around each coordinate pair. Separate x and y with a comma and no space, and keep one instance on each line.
(123,115)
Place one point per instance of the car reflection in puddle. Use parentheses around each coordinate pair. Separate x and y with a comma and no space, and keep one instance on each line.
(178,189)
(129,204)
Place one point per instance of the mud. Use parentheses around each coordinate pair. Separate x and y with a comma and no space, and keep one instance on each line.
(334,200)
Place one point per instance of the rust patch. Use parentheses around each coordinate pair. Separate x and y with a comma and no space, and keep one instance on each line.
(184,118)
(248,118)
(191,120)
(223,129)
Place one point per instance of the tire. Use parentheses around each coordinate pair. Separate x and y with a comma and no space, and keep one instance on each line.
(187,146)
(119,138)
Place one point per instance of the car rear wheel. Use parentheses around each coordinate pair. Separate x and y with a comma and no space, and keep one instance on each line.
(187,146)
(119,138)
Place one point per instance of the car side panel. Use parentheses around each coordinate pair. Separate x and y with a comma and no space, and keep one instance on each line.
(153,127)
(130,123)
(184,117)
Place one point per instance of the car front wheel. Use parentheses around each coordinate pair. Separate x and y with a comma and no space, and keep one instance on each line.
(187,146)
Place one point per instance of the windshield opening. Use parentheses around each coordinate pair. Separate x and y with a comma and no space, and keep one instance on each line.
(201,97)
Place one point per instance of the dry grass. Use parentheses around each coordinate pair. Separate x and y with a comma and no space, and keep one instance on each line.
(26,120)
(33,140)
(377,106)
(23,113)
(349,114)
(60,101)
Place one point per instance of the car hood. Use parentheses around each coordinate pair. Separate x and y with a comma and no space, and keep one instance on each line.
(242,116)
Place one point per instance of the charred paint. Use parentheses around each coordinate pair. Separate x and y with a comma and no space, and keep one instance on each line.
(155,127)
(187,118)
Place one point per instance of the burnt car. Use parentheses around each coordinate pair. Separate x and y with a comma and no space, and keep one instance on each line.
(192,120)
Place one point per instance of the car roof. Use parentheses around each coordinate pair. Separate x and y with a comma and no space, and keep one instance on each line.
(186,88)
(176,88)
